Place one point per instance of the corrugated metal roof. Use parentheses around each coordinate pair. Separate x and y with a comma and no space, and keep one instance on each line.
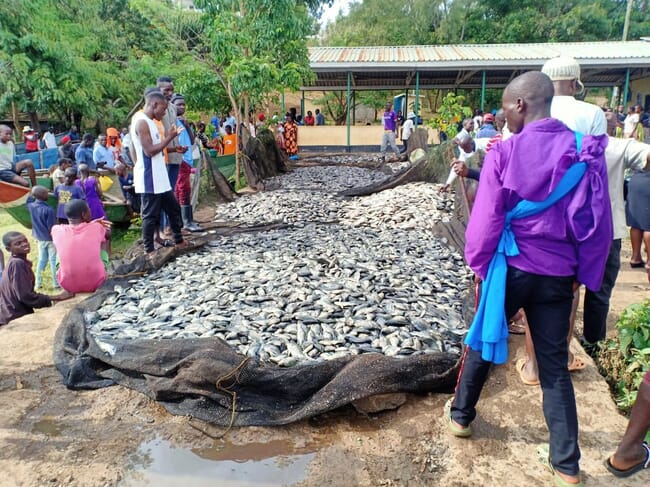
(615,50)
(463,65)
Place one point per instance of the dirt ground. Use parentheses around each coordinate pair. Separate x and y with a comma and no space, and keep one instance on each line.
(50,436)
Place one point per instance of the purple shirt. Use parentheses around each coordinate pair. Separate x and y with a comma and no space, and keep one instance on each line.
(571,238)
(390,121)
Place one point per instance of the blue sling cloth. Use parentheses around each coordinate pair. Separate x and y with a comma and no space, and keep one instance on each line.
(488,333)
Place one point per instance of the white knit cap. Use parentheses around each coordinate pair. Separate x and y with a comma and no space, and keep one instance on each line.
(563,68)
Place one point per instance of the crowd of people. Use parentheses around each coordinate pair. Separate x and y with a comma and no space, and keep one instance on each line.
(547,217)
(543,223)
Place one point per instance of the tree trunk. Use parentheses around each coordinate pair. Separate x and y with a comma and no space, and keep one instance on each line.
(14,116)
(262,159)
(432,167)
(418,140)
(36,124)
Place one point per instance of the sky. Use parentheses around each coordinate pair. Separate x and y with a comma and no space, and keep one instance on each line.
(329,14)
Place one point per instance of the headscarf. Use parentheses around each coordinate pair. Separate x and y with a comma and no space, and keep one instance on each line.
(112,132)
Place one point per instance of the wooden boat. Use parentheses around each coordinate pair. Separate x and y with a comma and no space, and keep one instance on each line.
(13,199)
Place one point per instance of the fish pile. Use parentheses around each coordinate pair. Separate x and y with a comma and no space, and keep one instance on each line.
(346,277)
(301,294)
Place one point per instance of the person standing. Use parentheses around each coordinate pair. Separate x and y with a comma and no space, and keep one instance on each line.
(30,137)
(48,139)
(183,188)
(43,219)
(487,130)
(407,130)
(631,122)
(74,135)
(320,118)
(588,119)
(66,151)
(174,152)
(84,152)
(309,119)
(553,203)
(290,136)
(390,125)
(150,175)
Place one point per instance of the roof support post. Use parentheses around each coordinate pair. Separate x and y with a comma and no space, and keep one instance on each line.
(417,97)
(483,92)
(302,105)
(627,87)
(282,105)
(347,108)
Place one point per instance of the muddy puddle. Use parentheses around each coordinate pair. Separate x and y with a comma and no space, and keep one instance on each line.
(162,464)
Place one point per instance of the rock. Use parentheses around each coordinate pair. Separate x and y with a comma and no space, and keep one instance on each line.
(379,402)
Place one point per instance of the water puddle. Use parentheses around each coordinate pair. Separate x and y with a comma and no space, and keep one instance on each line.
(279,462)
(48,426)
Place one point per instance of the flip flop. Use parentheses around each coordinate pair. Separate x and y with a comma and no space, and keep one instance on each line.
(454,429)
(577,364)
(644,464)
(637,265)
(521,363)
(544,457)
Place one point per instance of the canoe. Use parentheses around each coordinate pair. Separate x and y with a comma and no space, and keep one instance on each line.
(13,199)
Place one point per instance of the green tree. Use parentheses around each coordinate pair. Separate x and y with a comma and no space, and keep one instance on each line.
(257,47)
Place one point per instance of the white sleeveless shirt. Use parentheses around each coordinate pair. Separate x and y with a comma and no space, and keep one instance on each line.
(149,173)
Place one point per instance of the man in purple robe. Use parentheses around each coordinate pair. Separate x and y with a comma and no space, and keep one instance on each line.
(559,248)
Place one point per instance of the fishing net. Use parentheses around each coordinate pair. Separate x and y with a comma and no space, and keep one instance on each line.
(206,379)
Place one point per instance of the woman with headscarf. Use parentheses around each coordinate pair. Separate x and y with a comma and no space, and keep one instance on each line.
(291,136)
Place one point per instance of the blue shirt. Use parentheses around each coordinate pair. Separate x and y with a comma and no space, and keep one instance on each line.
(42,220)
(185,139)
(64,194)
(126,181)
(103,154)
(84,155)
(486,131)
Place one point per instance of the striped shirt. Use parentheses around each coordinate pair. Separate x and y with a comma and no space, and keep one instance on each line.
(149,173)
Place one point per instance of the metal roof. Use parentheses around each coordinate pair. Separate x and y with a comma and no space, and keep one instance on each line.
(462,65)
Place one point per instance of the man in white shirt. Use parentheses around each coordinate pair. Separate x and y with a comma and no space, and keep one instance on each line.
(48,138)
(102,156)
(150,173)
(408,127)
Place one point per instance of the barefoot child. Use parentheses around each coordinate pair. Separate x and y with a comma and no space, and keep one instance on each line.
(43,219)
(82,249)
(17,295)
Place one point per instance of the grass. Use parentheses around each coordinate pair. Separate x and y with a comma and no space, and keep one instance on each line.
(121,241)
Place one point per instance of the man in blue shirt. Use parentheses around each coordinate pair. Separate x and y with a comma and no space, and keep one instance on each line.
(320,118)
(487,130)
(43,219)
(390,124)
(84,153)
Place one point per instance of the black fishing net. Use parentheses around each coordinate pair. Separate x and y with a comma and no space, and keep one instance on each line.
(206,379)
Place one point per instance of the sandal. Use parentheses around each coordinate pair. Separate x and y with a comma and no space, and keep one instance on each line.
(643,464)
(454,429)
(544,457)
(577,364)
(521,363)
(637,265)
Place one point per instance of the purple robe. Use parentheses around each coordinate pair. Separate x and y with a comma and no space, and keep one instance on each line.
(572,238)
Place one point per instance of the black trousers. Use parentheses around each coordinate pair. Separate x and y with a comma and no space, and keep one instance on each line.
(152,205)
(596,305)
(547,302)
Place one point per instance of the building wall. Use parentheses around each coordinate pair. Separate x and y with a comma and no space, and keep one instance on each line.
(640,93)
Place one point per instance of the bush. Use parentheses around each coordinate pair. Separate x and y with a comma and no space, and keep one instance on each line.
(626,358)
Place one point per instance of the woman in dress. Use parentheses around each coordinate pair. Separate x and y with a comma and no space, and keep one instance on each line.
(93,191)
(291,136)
